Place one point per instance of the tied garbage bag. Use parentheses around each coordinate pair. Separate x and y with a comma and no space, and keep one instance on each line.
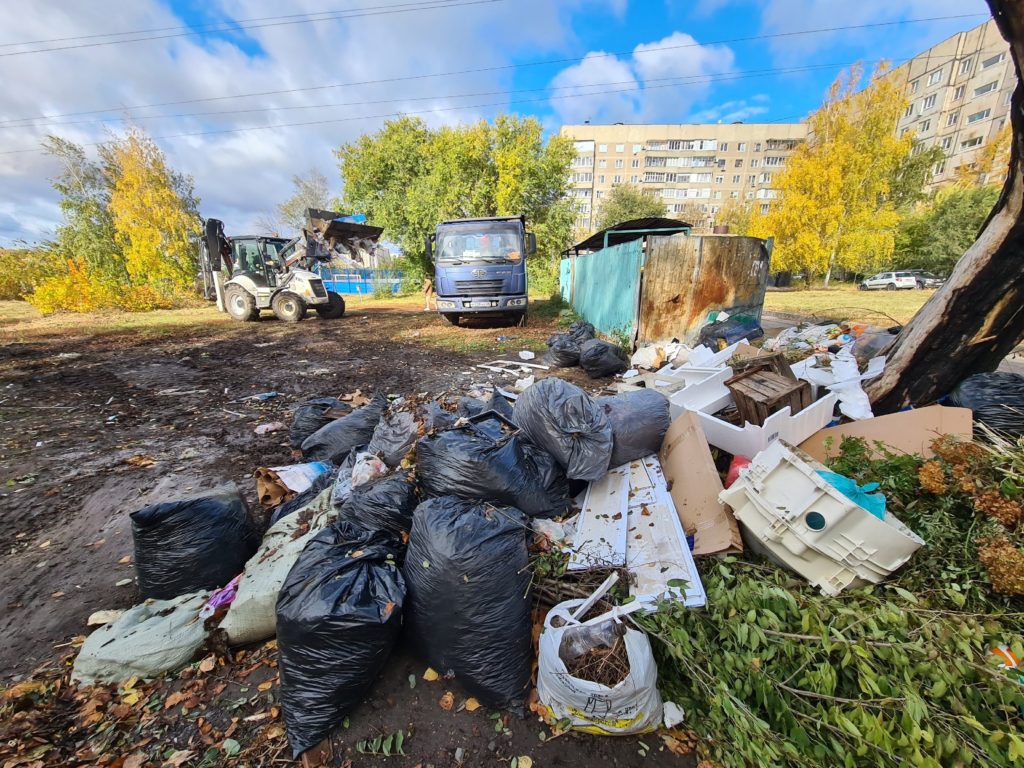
(251,617)
(394,436)
(563,420)
(581,331)
(633,705)
(639,422)
(313,414)
(468,607)
(471,463)
(563,351)
(721,334)
(996,399)
(148,640)
(339,615)
(192,544)
(333,441)
(384,504)
(307,497)
(601,358)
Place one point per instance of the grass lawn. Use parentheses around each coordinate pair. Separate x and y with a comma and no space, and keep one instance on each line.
(847,303)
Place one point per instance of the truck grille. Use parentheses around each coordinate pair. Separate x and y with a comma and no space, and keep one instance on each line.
(478,287)
(318,288)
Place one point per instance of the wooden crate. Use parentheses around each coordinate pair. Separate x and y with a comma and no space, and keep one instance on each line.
(760,393)
(762,361)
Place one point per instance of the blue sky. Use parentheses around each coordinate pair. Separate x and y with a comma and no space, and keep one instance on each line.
(676,61)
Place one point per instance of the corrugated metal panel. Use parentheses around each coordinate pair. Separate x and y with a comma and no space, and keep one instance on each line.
(686,277)
(565,279)
(606,287)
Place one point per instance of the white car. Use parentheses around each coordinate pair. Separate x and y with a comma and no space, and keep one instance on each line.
(890,281)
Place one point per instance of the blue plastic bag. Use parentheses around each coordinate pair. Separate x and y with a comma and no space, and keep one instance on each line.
(861,495)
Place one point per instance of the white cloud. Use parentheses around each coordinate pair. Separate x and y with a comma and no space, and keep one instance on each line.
(646,77)
(240,175)
(732,111)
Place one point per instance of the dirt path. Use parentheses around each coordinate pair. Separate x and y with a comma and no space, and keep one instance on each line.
(98,424)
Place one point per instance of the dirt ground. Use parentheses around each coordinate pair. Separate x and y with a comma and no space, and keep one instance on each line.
(102,416)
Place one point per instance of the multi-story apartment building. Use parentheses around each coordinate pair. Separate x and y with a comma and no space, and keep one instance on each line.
(694,169)
(959,93)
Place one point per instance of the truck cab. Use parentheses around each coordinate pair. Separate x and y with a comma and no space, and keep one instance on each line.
(480,267)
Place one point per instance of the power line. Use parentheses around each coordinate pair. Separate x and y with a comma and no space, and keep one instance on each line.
(352,118)
(478,70)
(357,13)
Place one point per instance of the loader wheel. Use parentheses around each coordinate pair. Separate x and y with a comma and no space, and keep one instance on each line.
(334,309)
(240,304)
(288,307)
(453,317)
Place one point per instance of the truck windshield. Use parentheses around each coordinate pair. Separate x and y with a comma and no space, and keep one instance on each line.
(476,242)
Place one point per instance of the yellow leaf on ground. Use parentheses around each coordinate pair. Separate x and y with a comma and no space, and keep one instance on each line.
(125,560)
(207,664)
(430,675)
(275,732)
(447,701)
(473,705)
(266,686)
(134,760)
(131,698)
(179,758)
(524,761)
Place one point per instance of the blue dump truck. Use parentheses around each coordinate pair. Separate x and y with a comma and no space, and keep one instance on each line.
(480,267)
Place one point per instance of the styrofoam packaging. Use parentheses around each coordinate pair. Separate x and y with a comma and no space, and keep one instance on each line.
(791,514)
(783,425)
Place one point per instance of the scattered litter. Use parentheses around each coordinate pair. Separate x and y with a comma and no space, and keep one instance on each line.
(275,485)
(68,355)
(631,373)
(673,714)
(522,384)
(270,428)
(526,355)
(262,397)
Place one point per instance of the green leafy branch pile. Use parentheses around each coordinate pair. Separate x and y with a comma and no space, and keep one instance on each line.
(771,672)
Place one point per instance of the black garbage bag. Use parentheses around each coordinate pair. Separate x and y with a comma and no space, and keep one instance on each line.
(997,400)
(563,420)
(563,351)
(334,441)
(435,417)
(581,331)
(470,462)
(383,504)
(394,436)
(639,422)
(326,480)
(339,615)
(730,331)
(496,404)
(602,358)
(468,607)
(313,414)
(192,544)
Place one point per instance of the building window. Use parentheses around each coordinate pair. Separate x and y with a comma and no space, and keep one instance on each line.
(969,143)
(904,132)
(721,163)
(724,146)
(958,93)
(910,110)
(600,179)
(742,147)
(939,168)
(599,194)
(632,179)
(975,117)
(584,208)
(992,61)
(719,179)
(981,90)
(750,195)
(634,163)
(772,160)
(737,164)
(733,195)
(934,77)
(965,66)
(914,85)
(586,223)
(718,194)
(618,163)
(620,147)
(754,163)
(616,179)
(637,148)
(602,163)
(928,102)
(764,208)
(751,179)
(924,126)
(953,117)
(766,178)
(947,142)
(736,179)
(582,177)
(757,147)
(602,147)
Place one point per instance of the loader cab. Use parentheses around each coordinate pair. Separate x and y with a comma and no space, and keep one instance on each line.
(258,258)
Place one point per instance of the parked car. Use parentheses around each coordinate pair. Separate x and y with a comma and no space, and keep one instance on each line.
(890,281)
(926,279)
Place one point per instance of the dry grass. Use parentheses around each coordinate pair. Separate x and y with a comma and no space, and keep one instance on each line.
(847,303)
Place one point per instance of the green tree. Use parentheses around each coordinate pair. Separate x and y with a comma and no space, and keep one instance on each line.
(938,234)
(626,202)
(408,177)
(836,208)
(907,184)
(738,216)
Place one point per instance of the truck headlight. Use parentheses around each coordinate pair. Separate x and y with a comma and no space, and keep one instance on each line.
(517,302)
(446,305)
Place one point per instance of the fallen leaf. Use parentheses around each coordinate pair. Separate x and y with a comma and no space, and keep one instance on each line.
(126,560)
(447,701)
(134,760)
(131,698)
(57,594)
(140,460)
(525,761)
(274,732)
(179,758)
(45,544)
(265,686)
(175,699)
(230,747)
(644,510)
(472,705)
(676,746)
(123,583)
(23,689)
(207,664)
(99,618)
(430,675)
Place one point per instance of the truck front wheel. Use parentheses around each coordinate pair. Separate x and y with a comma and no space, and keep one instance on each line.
(453,317)
(240,304)
(520,318)
(334,309)
(288,307)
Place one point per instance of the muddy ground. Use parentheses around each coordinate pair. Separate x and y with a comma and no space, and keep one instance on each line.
(98,424)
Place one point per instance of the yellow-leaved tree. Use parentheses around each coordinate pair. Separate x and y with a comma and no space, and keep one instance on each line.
(835,209)
(154,211)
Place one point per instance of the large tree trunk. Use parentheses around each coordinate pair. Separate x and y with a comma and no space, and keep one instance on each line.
(977,317)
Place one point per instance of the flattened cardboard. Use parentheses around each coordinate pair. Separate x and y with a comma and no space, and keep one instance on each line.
(904,432)
(695,485)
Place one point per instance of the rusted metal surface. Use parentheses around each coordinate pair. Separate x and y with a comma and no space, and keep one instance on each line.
(686,277)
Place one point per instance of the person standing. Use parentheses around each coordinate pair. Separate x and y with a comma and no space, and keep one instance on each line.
(428,292)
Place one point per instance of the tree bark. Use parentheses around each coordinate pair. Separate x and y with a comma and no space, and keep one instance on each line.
(973,321)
